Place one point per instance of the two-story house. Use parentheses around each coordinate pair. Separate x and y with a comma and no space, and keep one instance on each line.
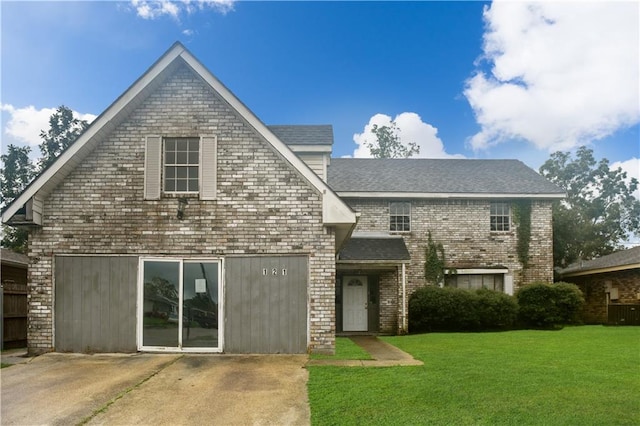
(178,221)
(466,205)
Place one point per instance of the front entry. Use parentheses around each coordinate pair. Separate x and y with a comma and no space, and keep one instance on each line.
(354,296)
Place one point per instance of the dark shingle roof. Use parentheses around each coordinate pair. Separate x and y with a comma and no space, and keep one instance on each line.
(13,258)
(619,259)
(437,176)
(373,248)
(304,134)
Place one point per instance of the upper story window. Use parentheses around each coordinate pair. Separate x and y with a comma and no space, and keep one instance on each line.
(181,164)
(500,216)
(400,217)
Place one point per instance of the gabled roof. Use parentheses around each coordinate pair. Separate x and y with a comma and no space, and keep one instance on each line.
(335,211)
(437,178)
(362,249)
(618,261)
(303,134)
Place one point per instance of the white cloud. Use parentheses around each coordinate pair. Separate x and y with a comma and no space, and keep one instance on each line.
(24,124)
(632,167)
(153,9)
(411,129)
(563,73)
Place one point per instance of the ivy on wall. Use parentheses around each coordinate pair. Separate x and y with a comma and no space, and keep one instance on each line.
(522,218)
(434,262)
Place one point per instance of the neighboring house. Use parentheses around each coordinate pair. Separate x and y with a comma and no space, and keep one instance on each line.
(178,221)
(611,287)
(14,298)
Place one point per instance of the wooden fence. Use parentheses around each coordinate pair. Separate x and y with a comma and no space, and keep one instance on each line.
(14,315)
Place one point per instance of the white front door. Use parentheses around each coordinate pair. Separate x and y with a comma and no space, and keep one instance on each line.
(354,302)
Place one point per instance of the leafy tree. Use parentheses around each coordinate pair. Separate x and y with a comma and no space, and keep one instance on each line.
(599,212)
(388,145)
(17,172)
(64,129)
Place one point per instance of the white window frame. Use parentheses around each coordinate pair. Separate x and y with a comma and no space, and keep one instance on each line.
(176,165)
(140,316)
(497,210)
(507,280)
(154,168)
(402,213)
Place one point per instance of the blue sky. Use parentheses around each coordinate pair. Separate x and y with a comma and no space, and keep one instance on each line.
(466,79)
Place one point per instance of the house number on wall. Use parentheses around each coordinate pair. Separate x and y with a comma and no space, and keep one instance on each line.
(274,271)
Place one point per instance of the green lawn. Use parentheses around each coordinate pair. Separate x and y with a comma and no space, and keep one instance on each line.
(345,349)
(576,376)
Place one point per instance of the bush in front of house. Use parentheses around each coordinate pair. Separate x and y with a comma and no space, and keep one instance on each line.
(433,308)
(544,305)
(495,310)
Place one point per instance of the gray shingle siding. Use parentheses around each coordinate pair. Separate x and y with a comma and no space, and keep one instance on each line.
(455,176)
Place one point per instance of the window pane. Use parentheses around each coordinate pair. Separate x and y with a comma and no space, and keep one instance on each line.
(399,216)
(182,145)
(181,152)
(499,218)
(160,305)
(200,305)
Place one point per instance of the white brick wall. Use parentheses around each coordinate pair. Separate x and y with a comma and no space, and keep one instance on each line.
(462,226)
(263,206)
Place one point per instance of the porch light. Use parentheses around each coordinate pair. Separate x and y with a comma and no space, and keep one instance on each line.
(182,204)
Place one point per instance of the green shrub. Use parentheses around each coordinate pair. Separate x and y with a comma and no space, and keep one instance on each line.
(544,305)
(433,308)
(495,310)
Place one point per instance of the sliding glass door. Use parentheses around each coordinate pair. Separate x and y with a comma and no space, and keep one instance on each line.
(180,307)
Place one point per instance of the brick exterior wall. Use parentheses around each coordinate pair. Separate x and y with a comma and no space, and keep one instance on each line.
(264,206)
(462,226)
(389,285)
(594,290)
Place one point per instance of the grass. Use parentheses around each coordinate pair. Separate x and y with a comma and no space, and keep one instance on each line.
(576,376)
(345,349)
(4,365)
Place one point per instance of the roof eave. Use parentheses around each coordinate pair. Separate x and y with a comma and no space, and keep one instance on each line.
(67,161)
(593,271)
(335,211)
(450,195)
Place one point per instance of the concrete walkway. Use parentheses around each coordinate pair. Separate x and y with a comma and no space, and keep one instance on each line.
(383,354)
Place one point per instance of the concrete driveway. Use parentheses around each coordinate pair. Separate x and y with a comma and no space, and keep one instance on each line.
(68,389)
